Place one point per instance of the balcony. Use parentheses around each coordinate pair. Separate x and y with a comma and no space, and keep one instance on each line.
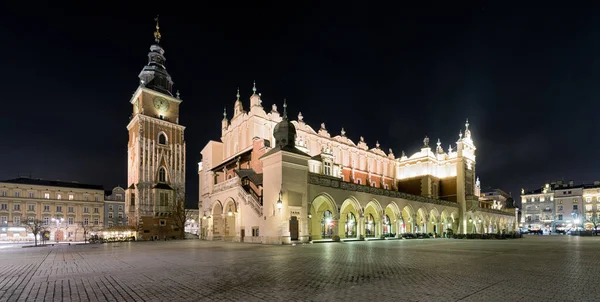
(228,184)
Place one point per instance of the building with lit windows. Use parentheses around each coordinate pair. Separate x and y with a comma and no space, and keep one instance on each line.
(64,207)
(272,180)
(114,208)
(538,209)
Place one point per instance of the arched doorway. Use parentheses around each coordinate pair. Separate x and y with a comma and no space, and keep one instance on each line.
(322,208)
(407,220)
(370,225)
(387,226)
(327,224)
(229,215)
(217,221)
(350,226)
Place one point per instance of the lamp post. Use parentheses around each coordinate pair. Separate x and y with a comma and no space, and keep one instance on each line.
(279,202)
(202,226)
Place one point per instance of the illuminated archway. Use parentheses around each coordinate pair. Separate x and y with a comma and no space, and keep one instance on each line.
(349,214)
(408,216)
(321,204)
(229,219)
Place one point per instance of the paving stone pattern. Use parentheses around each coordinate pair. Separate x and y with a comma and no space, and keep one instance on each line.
(535,268)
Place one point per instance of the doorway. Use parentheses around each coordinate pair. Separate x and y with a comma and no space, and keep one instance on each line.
(294,228)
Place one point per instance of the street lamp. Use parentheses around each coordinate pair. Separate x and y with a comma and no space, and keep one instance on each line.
(279,202)
(58,222)
(230,213)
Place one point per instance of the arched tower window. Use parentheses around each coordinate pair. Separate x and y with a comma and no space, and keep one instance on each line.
(162,174)
(162,139)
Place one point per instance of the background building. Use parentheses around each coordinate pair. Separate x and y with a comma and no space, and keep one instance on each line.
(156,151)
(66,208)
(114,208)
(192,223)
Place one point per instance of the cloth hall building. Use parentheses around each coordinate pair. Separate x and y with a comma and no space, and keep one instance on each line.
(271,180)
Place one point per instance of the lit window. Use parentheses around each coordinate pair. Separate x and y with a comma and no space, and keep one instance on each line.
(59,196)
(47,195)
(70,196)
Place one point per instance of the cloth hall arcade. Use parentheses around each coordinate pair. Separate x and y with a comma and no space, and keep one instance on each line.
(271,180)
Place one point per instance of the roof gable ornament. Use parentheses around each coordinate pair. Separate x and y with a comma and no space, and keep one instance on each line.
(426,141)
(343,132)
(157,35)
(300,117)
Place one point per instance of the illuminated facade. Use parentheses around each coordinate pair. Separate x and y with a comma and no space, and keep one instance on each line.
(560,206)
(272,180)
(156,151)
(64,207)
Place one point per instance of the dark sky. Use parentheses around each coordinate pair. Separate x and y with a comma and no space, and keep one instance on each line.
(527,79)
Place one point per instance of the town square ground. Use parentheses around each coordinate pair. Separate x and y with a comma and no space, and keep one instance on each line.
(535,268)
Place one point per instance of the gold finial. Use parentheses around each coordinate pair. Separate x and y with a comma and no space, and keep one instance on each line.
(157,32)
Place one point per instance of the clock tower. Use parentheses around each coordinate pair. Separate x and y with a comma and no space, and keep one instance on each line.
(155,152)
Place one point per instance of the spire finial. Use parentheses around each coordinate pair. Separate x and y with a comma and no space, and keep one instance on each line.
(467,124)
(225,113)
(284,109)
(178,93)
(377,144)
(157,32)
(459,134)
(439,142)
(238,94)
(343,132)
(254,88)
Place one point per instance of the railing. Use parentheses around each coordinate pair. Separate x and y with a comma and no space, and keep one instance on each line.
(317,179)
(249,199)
(495,211)
(228,184)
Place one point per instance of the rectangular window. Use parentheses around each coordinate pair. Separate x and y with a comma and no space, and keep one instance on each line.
(70,220)
(120,208)
(31,194)
(46,208)
(574,200)
(96,198)
(110,215)
(163,222)
(575,207)
(46,220)
(70,209)
(30,219)
(86,198)
(59,196)
(96,210)
(17,194)
(327,168)
(58,208)
(95,221)
(560,217)
(110,223)
(119,197)
(120,215)
(4,206)
(86,221)
(86,210)
(17,220)
(70,196)
(3,220)
(588,208)
(164,199)
(588,199)
(560,208)
(3,193)
(16,207)
(132,200)
(70,234)
(110,207)
(47,195)
(31,208)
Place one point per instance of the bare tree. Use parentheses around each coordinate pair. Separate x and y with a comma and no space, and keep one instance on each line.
(36,227)
(86,229)
(180,215)
(594,219)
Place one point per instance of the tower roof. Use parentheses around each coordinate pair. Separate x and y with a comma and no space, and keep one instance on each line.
(284,132)
(154,75)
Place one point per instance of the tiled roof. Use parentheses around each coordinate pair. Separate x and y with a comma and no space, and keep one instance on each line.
(52,183)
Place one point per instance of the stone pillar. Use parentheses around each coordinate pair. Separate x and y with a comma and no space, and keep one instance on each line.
(336,227)
(361,227)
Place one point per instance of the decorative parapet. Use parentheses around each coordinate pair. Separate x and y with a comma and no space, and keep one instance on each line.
(324,181)
(250,200)
(494,211)
(228,184)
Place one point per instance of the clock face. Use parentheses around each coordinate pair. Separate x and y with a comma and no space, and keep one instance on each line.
(161,104)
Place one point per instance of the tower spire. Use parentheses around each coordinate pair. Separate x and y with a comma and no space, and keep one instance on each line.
(284,109)
(238,94)
(157,32)
(467,125)
(225,113)
(254,88)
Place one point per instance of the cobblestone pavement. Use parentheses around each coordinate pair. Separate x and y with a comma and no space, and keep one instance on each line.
(536,268)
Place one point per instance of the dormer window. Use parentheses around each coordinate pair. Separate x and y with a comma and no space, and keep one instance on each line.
(162,174)
(162,139)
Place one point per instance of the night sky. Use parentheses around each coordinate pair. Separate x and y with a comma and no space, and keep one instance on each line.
(526,78)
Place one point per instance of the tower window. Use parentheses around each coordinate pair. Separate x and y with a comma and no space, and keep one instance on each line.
(162,139)
(327,168)
(162,174)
